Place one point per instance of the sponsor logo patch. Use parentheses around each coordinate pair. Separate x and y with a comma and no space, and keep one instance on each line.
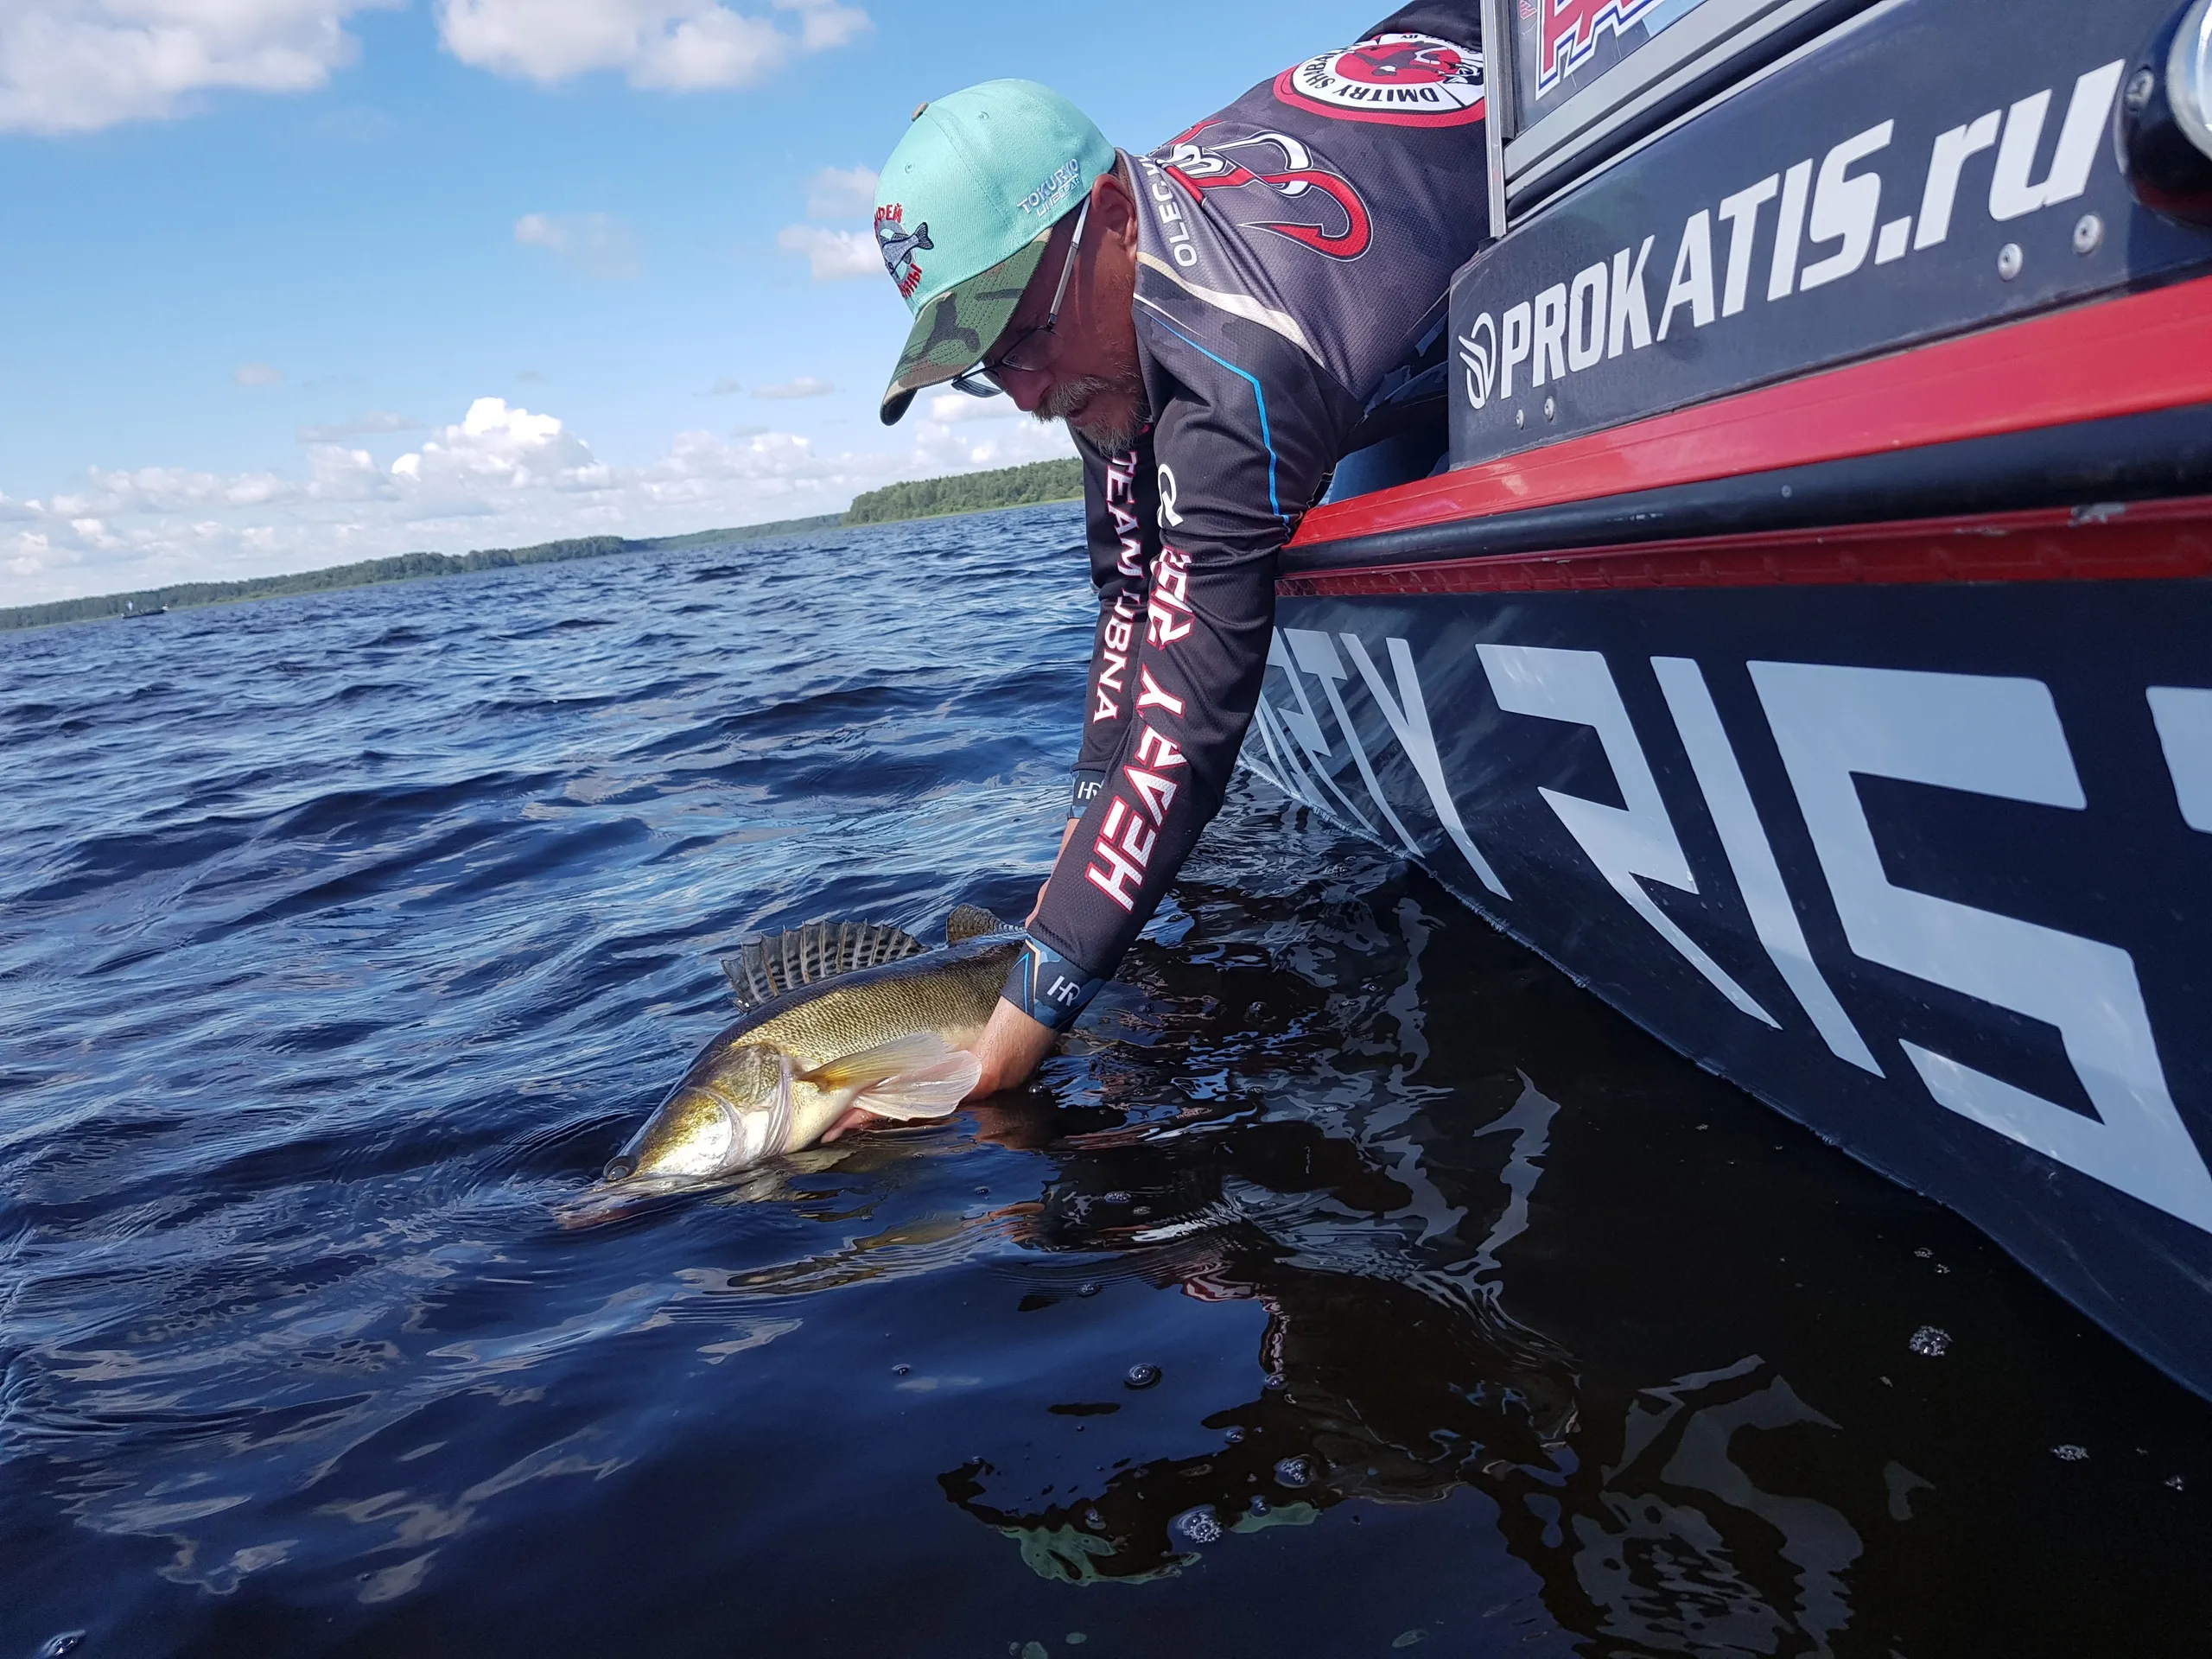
(896,245)
(1407,80)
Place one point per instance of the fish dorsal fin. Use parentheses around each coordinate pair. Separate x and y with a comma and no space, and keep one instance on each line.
(969,921)
(777,962)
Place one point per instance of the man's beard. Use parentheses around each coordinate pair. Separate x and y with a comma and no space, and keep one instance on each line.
(1108,432)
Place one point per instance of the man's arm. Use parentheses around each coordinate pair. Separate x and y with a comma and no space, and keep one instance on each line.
(1119,504)
(1119,499)
(1243,436)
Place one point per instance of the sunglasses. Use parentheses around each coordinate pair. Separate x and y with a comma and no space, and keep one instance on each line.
(1024,354)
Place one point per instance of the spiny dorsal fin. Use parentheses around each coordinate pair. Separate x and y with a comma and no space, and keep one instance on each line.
(968,921)
(768,967)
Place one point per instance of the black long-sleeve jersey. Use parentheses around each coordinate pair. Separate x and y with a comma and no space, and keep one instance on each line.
(1292,249)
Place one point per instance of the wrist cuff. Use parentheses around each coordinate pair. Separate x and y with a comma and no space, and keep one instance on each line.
(1048,987)
(1086,788)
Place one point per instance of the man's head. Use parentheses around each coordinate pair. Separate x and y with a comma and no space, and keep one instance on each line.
(1010,230)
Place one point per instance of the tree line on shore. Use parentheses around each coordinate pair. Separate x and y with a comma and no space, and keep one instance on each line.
(1007,487)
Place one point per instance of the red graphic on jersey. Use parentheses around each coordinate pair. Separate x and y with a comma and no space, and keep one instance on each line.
(1410,80)
(1201,170)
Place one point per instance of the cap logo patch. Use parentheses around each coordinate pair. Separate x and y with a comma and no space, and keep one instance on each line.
(1054,191)
(896,246)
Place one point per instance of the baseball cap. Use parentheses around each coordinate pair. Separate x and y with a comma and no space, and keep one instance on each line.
(962,211)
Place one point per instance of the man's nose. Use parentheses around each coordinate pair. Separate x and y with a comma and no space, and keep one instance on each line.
(1026,387)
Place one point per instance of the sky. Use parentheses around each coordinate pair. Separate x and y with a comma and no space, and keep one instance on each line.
(287,283)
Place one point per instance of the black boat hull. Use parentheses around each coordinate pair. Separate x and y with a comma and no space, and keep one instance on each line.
(1926,865)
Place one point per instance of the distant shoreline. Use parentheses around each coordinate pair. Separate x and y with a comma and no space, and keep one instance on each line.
(1038,483)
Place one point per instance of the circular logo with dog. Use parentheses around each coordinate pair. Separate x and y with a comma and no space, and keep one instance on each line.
(1407,81)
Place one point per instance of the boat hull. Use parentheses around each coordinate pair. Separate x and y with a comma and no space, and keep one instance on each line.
(1924,861)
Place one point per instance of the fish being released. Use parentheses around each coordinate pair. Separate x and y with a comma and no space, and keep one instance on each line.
(835,1016)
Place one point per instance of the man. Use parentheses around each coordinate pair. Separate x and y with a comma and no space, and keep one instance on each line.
(1212,320)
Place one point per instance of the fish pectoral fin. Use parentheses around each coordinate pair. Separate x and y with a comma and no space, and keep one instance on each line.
(914,1077)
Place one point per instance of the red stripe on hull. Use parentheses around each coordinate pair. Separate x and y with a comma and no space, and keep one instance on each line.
(2140,541)
(2091,362)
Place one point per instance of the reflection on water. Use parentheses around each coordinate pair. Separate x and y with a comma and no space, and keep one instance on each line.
(1351,1282)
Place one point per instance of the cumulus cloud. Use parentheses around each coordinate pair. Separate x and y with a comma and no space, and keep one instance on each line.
(679,45)
(501,476)
(368,422)
(598,245)
(804,385)
(75,66)
(958,409)
(832,255)
(257,374)
(846,192)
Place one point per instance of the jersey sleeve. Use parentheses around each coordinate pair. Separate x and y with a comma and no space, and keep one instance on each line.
(1244,432)
(1118,506)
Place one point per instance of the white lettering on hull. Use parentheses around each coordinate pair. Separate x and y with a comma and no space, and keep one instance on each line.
(1624,842)
(1751,857)
(2184,717)
(2001,738)
(1987,735)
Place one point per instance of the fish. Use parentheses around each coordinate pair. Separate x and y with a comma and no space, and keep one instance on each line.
(835,1015)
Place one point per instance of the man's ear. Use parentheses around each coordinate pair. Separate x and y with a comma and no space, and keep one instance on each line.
(1114,210)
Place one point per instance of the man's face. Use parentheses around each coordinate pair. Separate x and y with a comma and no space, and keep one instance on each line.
(1085,370)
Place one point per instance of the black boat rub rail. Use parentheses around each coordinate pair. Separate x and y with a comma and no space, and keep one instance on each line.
(2108,542)
(2100,361)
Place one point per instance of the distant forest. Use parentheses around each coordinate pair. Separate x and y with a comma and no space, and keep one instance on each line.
(1008,486)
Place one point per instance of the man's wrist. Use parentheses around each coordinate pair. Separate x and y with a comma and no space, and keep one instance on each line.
(1048,987)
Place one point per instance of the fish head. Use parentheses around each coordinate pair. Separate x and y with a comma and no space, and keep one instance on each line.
(731,1109)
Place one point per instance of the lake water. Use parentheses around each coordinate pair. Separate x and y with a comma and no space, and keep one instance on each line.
(343,939)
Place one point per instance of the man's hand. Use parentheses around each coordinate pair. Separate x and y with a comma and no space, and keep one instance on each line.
(1011,1048)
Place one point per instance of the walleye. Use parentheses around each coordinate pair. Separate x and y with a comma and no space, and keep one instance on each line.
(834,1017)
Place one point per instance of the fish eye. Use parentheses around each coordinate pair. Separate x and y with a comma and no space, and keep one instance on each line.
(618,1169)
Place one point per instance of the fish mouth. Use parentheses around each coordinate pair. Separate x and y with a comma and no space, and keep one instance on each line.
(699,1146)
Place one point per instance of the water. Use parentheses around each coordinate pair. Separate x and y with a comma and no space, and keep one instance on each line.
(342,939)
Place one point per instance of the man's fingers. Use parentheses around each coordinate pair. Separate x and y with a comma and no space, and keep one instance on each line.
(855,1118)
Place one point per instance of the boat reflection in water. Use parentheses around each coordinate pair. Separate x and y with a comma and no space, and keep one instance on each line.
(1392,1371)
(1677,1356)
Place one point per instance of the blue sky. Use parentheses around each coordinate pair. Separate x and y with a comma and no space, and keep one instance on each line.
(270,263)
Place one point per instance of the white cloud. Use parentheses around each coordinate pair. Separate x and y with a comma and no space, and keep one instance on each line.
(681,45)
(598,245)
(75,66)
(257,374)
(723,386)
(958,409)
(501,476)
(362,425)
(804,385)
(832,255)
(846,192)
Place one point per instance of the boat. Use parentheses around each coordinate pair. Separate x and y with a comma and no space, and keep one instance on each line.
(1781,597)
